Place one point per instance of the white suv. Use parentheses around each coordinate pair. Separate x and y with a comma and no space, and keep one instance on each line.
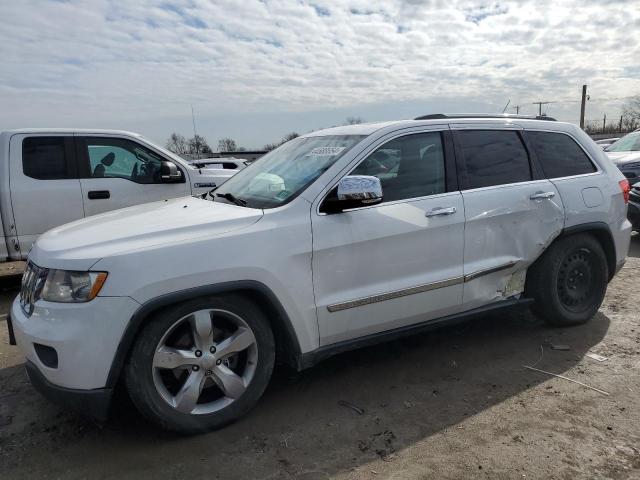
(338,239)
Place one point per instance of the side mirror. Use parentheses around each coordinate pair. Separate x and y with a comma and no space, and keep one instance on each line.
(169,173)
(354,191)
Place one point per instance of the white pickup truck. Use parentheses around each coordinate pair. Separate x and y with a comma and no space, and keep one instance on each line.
(50,177)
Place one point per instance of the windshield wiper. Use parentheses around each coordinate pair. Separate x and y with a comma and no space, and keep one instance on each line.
(232,198)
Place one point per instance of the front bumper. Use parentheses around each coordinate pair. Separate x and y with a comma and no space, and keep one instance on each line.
(84,337)
(90,403)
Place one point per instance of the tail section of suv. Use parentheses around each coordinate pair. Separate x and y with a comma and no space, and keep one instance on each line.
(337,239)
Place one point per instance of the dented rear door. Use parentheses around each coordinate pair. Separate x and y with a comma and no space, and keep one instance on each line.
(512,213)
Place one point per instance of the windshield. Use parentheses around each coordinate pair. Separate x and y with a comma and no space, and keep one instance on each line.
(285,172)
(628,143)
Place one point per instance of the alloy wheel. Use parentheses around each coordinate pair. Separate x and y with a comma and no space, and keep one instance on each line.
(205,361)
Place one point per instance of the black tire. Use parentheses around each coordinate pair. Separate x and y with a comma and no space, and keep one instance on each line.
(139,369)
(569,281)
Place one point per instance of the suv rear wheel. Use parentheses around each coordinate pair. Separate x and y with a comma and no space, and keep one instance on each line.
(201,364)
(570,280)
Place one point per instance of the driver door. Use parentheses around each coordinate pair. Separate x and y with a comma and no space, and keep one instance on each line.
(118,172)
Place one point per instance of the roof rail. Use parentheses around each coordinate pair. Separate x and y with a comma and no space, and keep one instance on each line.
(438,116)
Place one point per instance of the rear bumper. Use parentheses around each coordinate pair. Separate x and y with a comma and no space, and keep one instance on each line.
(90,403)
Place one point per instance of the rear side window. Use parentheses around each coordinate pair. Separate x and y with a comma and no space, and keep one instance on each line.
(46,158)
(493,157)
(559,155)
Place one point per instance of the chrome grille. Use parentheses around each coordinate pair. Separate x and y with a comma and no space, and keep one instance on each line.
(32,283)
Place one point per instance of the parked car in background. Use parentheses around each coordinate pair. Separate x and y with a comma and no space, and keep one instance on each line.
(226,163)
(54,176)
(633,212)
(605,142)
(625,153)
(321,246)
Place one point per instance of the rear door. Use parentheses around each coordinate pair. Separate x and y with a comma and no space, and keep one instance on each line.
(45,189)
(118,172)
(512,212)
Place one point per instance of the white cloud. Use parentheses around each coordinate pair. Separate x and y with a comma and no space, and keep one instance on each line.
(131,64)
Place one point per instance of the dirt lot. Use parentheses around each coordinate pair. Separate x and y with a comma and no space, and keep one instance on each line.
(456,403)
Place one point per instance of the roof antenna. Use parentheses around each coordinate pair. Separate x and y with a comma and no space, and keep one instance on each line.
(505,107)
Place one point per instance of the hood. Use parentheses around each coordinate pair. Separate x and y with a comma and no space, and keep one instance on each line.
(80,244)
(623,157)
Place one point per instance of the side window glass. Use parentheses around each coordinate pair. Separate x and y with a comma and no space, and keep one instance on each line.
(494,157)
(118,158)
(45,158)
(559,154)
(408,167)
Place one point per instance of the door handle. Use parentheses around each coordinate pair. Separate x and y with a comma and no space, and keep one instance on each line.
(98,194)
(542,195)
(440,211)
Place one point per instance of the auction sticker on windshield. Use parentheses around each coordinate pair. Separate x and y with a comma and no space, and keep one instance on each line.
(325,151)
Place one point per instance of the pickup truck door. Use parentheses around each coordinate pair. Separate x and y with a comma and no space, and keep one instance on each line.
(118,172)
(512,211)
(399,262)
(45,189)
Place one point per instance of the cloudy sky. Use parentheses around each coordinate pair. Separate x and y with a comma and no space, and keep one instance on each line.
(256,70)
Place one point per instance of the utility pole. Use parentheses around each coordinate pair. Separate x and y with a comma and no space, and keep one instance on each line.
(517,108)
(604,123)
(540,106)
(582,106)
(195,134)
(620,128)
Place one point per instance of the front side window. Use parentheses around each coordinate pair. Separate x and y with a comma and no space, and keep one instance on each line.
(45,158)
(285,172)
(120,158)
(493,157)
(408,167)
(628,143)
(559,155)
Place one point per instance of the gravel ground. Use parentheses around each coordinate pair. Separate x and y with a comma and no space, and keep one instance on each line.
(456,403)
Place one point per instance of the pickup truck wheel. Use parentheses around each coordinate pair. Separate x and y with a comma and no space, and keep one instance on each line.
(201,364)
(570,280)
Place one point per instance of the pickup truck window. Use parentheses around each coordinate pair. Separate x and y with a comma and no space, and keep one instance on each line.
(47,158)
(121,158)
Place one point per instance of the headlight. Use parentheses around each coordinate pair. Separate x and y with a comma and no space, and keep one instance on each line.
(68,286)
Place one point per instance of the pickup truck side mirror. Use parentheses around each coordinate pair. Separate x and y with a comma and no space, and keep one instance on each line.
(353,191)
(169,173)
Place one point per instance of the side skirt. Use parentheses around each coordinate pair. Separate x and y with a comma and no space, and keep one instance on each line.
(309,359)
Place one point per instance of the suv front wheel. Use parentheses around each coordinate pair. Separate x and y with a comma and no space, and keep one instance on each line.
(201,364)
(569,281)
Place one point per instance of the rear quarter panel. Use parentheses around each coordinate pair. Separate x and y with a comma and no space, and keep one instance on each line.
(596,197)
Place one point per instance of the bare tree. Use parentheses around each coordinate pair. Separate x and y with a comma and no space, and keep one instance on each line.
(289,136)
(177,143)
(227,145)
(198,145)
(631,109)
(354,120)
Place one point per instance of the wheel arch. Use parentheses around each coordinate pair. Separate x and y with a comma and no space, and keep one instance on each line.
(602,234)
(287,345)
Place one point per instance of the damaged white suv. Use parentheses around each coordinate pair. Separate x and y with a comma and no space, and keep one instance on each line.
(337,239)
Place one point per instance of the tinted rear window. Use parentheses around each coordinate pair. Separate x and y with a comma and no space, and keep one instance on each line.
(45,158)
(559,155)
(493,157)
